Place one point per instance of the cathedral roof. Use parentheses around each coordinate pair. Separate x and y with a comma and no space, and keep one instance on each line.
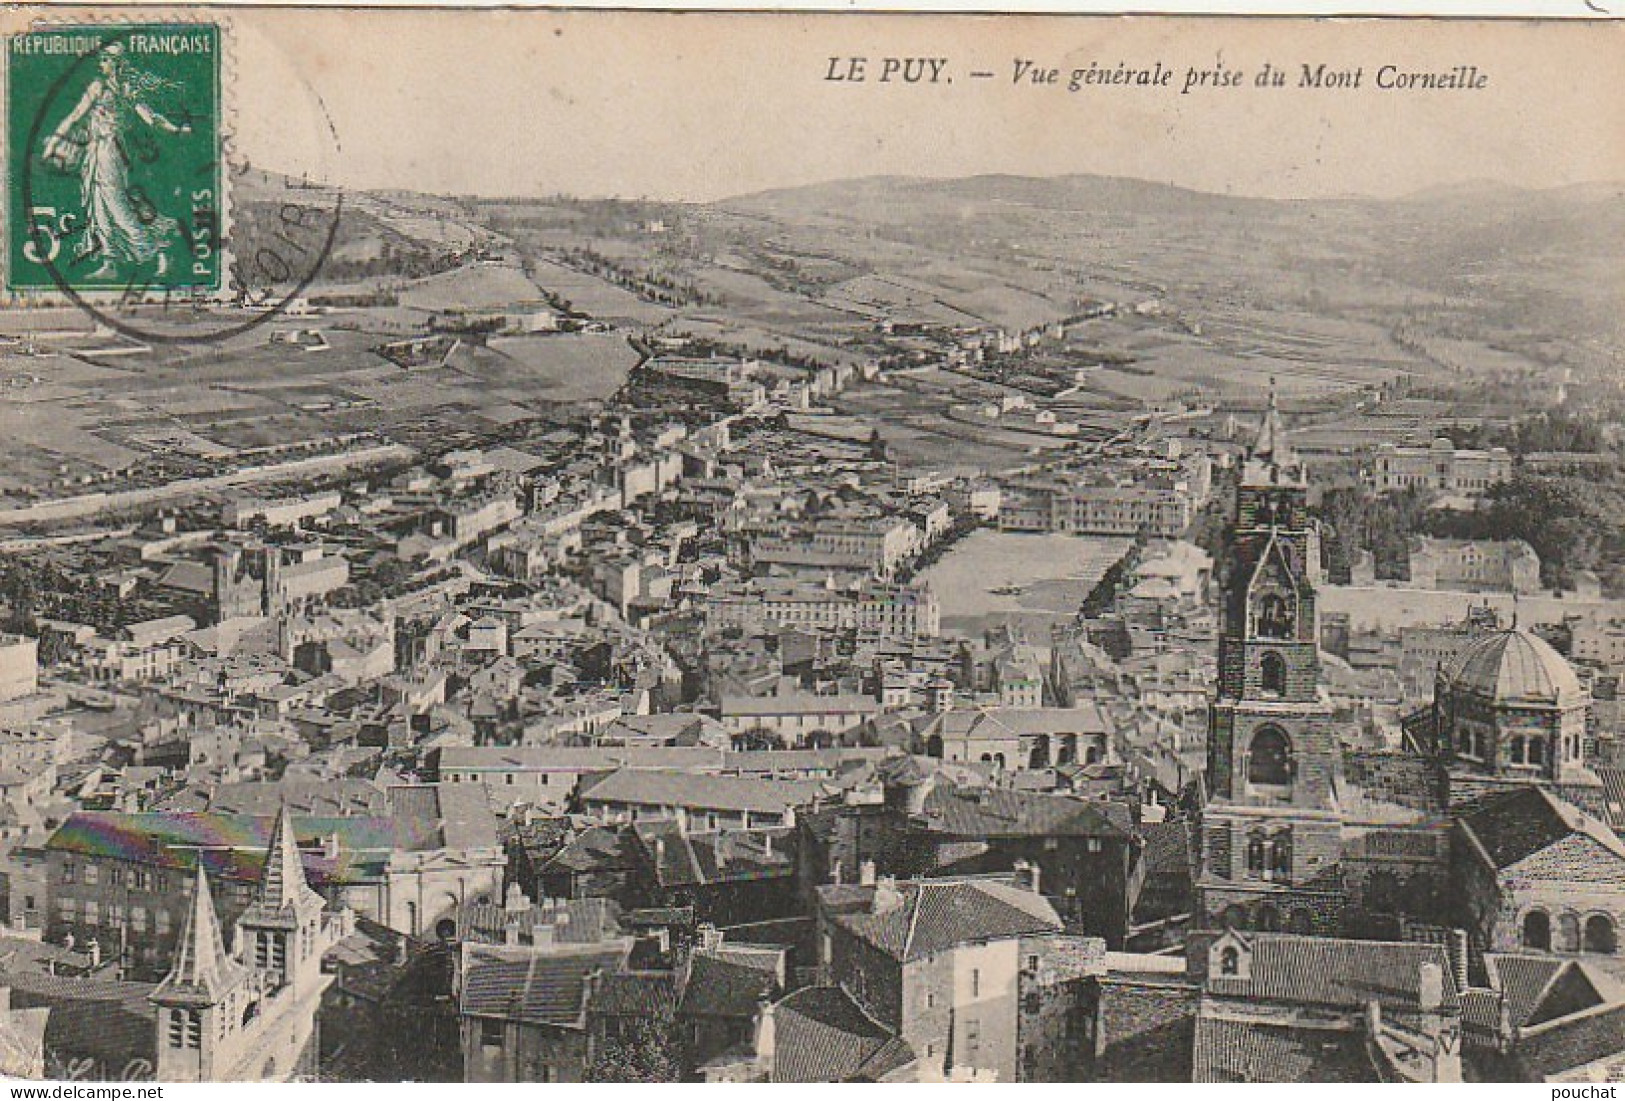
(1516,667)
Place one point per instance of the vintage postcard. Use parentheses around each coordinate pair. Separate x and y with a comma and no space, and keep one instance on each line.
(555,547)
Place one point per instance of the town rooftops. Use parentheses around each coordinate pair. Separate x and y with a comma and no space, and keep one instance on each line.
(546,988)
(684,859)
(1001,812)
(574,921)
(799,703)
(1260,1051)
(1346,974)
(727,984)
(822,1035)
(651,788)
(233,846)
(503,759)
(913,920)
(999,723)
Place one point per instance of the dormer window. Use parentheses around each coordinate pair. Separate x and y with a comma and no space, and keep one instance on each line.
(1230,961)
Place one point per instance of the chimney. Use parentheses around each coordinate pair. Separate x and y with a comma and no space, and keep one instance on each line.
(887,896)
(1458,956)
(510,931)
(866,874)
(544,934)
(660,854)
(767,844)
(835,872)
(1430,995)
(330,846)
(766,1038)
(1026,876)
(403,954)
(95,947)
(710,937)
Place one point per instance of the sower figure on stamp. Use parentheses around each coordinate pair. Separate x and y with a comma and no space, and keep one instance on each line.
(120,225)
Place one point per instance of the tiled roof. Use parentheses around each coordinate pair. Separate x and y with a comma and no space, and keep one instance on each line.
(821,1035)
(1250,1051)
(112,1022)
(533,987)
(1572,1042)
(719,987)
(1000,812)
(597,848)
(576,921)
(1000,723)
(1514,825)
(306,797)
(693,859)
(1577,858)
(680,789)
(643,994)
(1343,973)
(1521,979)
(935,915)
(575,758)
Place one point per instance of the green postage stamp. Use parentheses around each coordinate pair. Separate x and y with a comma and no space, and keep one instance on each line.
(114,178)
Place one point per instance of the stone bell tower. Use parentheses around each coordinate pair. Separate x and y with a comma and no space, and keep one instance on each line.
(1271,829)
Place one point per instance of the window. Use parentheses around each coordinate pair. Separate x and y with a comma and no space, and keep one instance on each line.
(1275,617)
(92,875)
(70,873)
(1272,674)
(975,982)
(162,920)
(92,912)
(185,1028)
(1269,758)
(490,1033)
(1537,930)
(1600,936)
(1229,960)
(1093,844)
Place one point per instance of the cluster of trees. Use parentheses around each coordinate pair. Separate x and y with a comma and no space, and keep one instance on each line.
(1545,431)
(35,590)
(649,286)
(1574,524)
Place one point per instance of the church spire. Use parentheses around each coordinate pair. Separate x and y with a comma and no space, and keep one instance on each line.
(1271,460)
(284,884)
(1271,443)
(202,970)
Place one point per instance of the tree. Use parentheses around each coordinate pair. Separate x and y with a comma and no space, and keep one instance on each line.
(643,1049)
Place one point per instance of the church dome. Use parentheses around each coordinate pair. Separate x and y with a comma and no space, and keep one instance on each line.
(1515,667)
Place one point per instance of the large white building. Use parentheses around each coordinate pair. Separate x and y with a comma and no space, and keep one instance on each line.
(1441,466)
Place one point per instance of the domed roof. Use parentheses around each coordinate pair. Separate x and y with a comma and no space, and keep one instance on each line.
(1514,667)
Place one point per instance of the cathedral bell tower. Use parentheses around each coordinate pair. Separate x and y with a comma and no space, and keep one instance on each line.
(1270,829)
